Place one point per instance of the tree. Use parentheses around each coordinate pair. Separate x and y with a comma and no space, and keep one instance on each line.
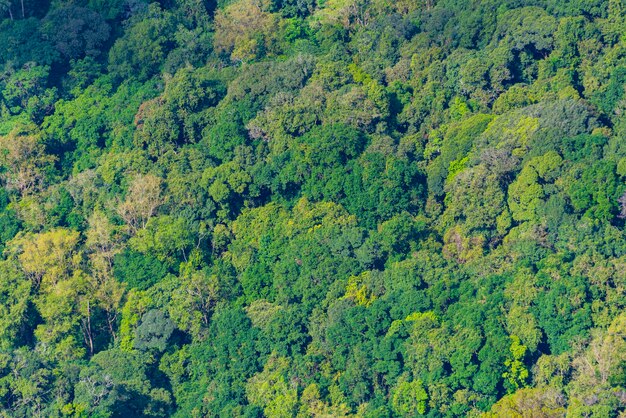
(48,257)
(245,30)
(76,31)
(517,373)
(526,193)
(102,239)
(166,238)
(475,210)
(143,198)
(348,13)
(66,299)
(68,309)
(142,50)
(540,402)
(271,390)
(409,399)
(24,89)
(116,383)
(153,331)
(529,27)
(5,6)
(603,359)
(26,165)
(137,270)
(177,116)
(194,301)
(15,299)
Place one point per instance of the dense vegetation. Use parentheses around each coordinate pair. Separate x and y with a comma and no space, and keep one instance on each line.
(302,208)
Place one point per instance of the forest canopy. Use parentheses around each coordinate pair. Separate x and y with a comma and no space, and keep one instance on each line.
(312,208)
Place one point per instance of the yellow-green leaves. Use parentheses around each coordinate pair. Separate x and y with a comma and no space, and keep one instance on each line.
(347,13)
(409,399)
(357,290)
(526,193)
(47,257)
(517,373)
(245,29)
(15,293)
(272,390)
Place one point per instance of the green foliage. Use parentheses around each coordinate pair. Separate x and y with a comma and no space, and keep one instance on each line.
(143,48)
(23,43)
(517,374)
(14,294)
(410,399)
(75,31)
(291,208)
(25,91)
(116,383)
(455,146)
(153,331)
(270,390)
(138,270)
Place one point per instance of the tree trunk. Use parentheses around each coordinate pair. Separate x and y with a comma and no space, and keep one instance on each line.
(111,322)
(87,330)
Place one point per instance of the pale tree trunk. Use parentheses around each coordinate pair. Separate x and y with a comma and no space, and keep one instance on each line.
(87,330)
(111,318)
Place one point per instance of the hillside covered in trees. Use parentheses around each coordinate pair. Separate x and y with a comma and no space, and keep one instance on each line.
(312,208)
